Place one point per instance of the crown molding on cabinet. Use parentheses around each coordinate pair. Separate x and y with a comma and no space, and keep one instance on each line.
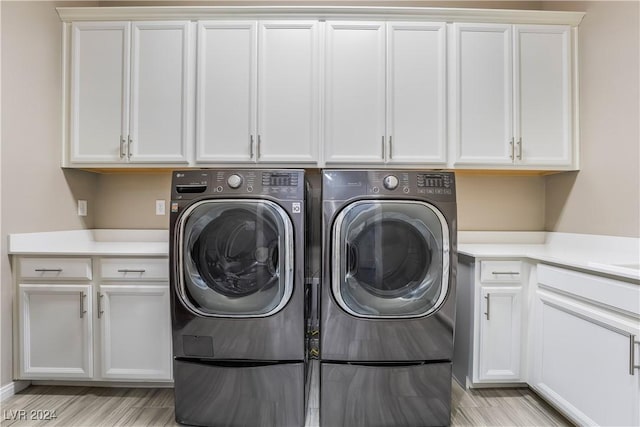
(68,14)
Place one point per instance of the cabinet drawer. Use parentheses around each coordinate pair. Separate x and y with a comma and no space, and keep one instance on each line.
(500,271)
(55,268)
(134,268)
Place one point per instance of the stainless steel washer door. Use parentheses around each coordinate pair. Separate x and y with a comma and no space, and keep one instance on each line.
(235,258)
(390,259)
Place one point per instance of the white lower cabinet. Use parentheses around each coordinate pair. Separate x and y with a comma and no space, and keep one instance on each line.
(584,352)
(107,325)
(55,331)
(498,317)
(489,339)
(500,324)
(135,331)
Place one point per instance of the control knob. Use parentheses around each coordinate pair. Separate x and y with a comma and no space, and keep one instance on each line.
(234,181)
(390,182)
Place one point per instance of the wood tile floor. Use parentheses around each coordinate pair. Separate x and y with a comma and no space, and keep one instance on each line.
(100,406)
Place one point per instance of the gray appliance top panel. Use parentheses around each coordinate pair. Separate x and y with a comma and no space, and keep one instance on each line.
(425,184)
(282,184)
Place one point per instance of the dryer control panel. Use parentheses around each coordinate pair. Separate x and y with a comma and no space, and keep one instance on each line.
(346,184)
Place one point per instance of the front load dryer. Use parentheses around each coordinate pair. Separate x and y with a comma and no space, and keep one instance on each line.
(237,297)
(387,297)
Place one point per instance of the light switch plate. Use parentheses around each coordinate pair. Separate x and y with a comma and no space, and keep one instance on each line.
(82,208)
(160,207)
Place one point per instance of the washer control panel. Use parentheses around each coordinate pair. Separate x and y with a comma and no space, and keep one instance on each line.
(281,184)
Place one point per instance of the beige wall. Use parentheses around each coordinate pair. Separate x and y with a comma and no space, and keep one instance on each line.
(604,197)
(129,200)
(37,195)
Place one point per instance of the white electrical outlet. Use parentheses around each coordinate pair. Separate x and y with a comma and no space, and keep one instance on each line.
(160,207)
(82,208)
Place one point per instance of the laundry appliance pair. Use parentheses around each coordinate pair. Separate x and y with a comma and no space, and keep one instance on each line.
(240,307)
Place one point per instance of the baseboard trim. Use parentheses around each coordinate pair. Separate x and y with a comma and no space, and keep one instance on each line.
(12,388)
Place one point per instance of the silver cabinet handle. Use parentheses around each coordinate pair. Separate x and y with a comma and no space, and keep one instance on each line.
(82,310)
(100,311)
(251,146)
(126,270)
(383,152)
(129,147)
(488,298)
(511,149)
(123,143)
(498,273)
(390,147)
(258,147)
(632,354)
(48,270)
(519,149)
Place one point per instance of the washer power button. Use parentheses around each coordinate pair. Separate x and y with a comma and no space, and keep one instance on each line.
(390,182)
(234,181)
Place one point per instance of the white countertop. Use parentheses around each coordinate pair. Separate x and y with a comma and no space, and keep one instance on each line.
(91,242)
(608,255)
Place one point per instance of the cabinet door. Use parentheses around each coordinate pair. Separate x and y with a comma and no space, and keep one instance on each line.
(543,95)
(99,91)
(288,91)
(226,104)
(135,331)
(159,92)
(416,90)
(581,358)
(355,92)
(483,94)
(500,322)
(55,331)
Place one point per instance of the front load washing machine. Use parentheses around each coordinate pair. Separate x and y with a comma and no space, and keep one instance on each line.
(387,297)
(237,297)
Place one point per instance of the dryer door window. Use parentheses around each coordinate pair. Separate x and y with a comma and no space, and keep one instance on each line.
(390,259)
(235,258)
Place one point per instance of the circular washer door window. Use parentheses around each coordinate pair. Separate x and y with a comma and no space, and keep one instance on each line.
(390,259)
(235,258)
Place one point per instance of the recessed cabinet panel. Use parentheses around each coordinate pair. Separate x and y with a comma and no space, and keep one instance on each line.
(55,331)
(226,87)
(500,334)
(355,92)
(288,91)
(543,95)
(483,93)
(159,92)
(99,90)
(135,329)
(416,91)
(581,362)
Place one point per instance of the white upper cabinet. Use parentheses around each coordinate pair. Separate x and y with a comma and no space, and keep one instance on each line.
(159,89)
(543,95)
(385,92)
(129,92)
(511,95)
(355,92)
(416,93)
(259,90)
(225,113)
(289,90)
(482,89)
(99,91)
(246,86)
